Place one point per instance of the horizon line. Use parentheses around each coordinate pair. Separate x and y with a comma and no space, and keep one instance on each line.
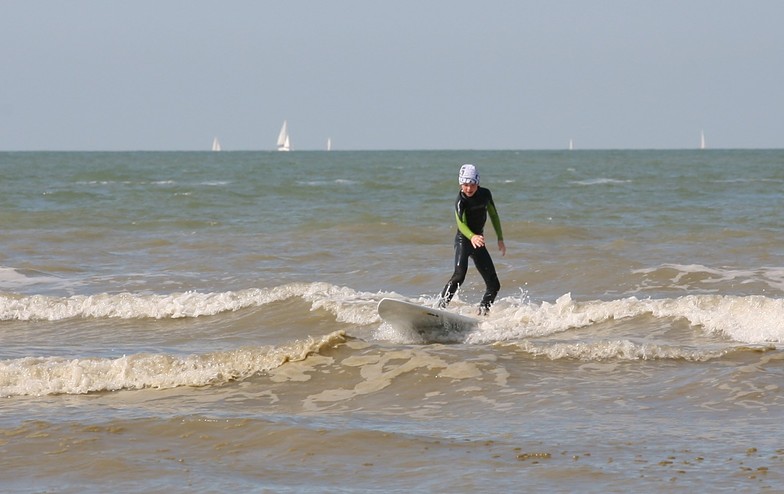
(316,150)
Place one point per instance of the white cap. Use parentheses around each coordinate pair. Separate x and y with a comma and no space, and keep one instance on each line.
(468,175)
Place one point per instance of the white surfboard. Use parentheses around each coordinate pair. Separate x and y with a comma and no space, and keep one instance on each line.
(424,320)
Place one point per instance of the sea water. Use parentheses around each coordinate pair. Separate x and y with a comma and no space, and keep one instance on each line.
(187,321)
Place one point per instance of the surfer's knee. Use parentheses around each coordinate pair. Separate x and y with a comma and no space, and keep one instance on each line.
(494,286)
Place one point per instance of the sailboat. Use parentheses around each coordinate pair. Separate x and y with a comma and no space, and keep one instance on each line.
(216,145)
(329,144)
(571,145)
(283,138)
(702,140)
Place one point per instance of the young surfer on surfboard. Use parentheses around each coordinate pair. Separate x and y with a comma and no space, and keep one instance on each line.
(473,205)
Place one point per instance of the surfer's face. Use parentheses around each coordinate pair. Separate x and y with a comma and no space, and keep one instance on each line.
(468,189)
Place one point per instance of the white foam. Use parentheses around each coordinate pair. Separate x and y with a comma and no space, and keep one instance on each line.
(54,375)
(748,319)
(321,183)
(601,181)
(771,276)
(14,279)
(615,350)
(743,319)
(339,300)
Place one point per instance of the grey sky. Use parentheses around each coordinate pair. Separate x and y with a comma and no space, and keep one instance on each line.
(403,74)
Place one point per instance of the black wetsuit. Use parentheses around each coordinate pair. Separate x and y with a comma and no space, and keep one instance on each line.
(471,215)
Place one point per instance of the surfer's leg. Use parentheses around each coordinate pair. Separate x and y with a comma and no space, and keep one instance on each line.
(462,251)
(485,266)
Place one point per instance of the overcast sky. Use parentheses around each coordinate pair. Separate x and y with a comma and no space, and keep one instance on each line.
(396,74)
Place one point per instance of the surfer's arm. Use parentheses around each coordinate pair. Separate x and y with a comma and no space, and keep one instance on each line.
(462,226)
(496,220)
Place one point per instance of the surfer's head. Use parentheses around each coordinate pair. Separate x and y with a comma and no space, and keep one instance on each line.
(468,175)
(469,180)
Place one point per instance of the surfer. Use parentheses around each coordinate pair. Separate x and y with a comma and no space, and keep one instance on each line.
(473,205)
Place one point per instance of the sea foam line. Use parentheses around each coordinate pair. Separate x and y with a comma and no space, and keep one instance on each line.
(176,305)
(753,319)
(748,319)
(55,375)
(617,350)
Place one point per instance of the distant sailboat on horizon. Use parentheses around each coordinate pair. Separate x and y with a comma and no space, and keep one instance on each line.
(702,140)
(216,145)
(284,144)
(571,145)
(329,144)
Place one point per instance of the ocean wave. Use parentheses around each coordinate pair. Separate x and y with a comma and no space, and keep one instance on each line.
(54,375)
(753,319)
(601,181)
(14,278)
(684,276)
(181,305)
(625,350)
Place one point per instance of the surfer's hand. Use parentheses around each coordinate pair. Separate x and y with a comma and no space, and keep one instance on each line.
(502,247)
(478,241)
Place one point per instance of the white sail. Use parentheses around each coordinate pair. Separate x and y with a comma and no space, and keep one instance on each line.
(329,144)
(571,144)
(216,145)
(702,140)
(284,144)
